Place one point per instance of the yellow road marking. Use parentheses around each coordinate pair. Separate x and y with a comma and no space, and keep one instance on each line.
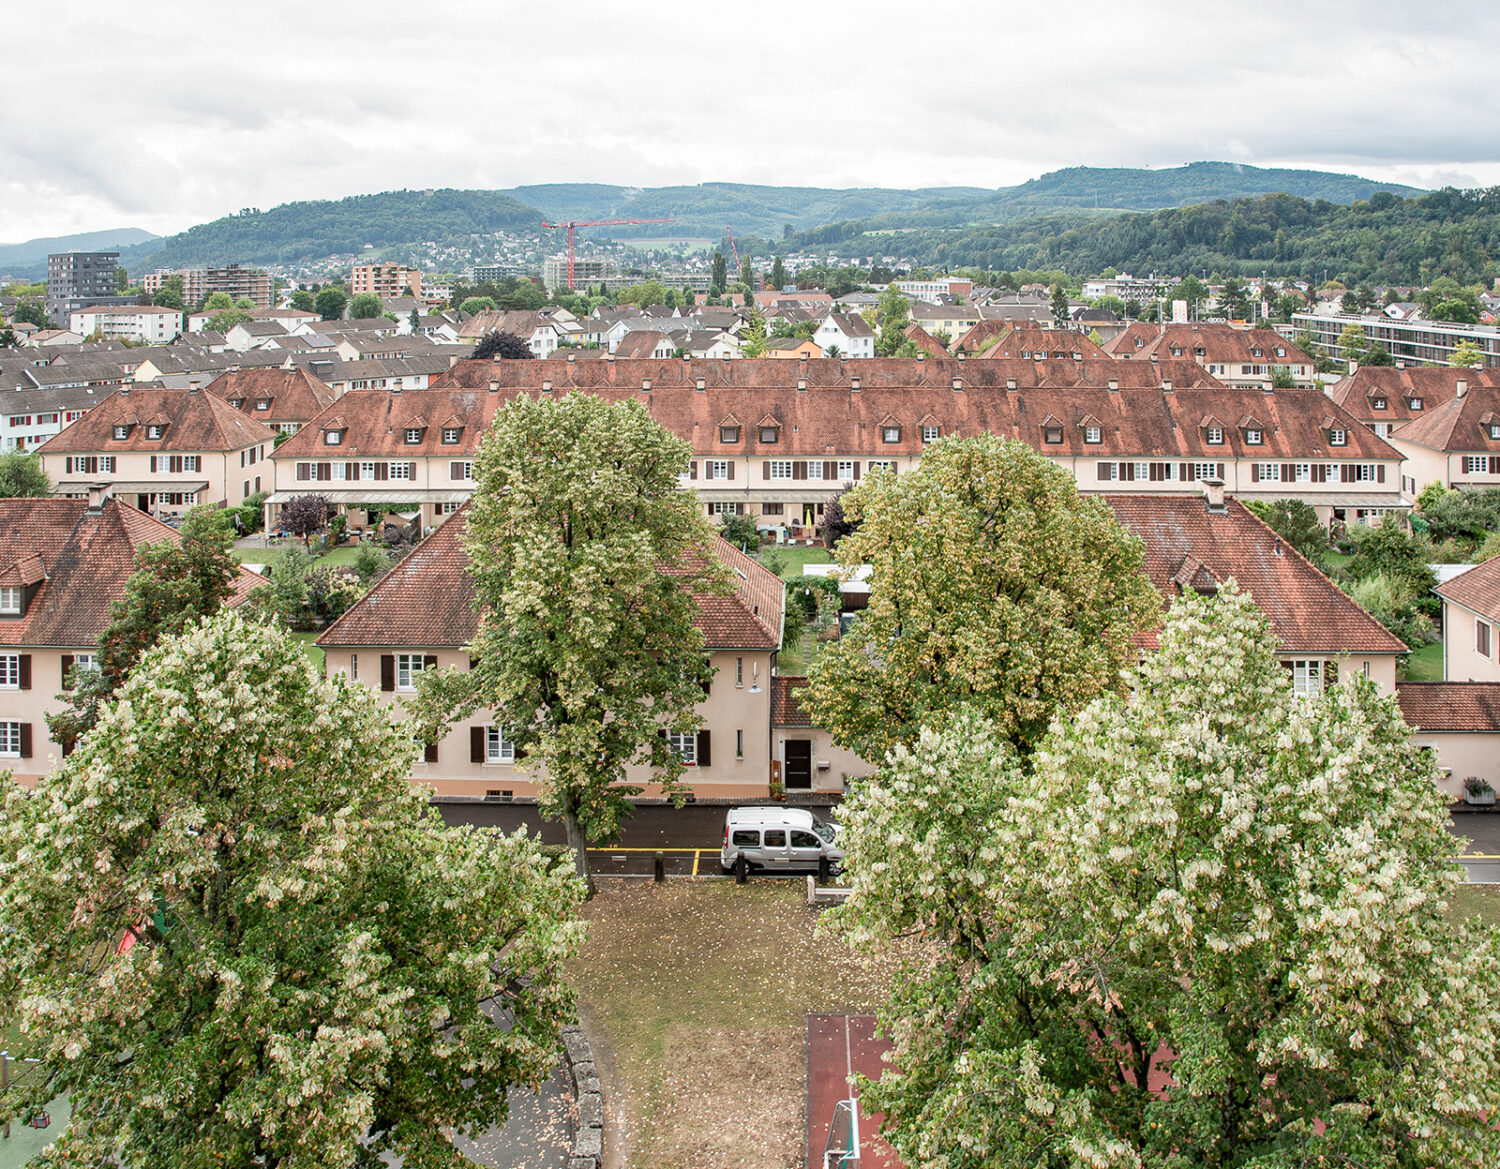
(697,853)
(1479,856)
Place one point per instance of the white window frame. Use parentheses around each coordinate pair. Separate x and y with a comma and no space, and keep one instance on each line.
(723,508)
(154,431)
(846,469)
(1215,436)
(339,472)
(1202,471)
(451,435)
(10,671)
(333,438)
(1093,434)
(716,469)
(930,434)
(1307,676)
(780,468)
(122,432)
(815,469)
(1338,436)
(408,666)
(685,747)
(10,601)
(1301,472)
(412,435)
(10,740)
(889,434)
(1253,436)
(497,748)
(1269,472)
(404,474)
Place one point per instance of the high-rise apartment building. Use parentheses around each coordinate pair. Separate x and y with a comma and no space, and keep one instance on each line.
(387,281)
(198,284)
(79,279)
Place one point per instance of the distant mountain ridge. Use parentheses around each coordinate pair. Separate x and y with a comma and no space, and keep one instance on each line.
(395,222)
(30,258)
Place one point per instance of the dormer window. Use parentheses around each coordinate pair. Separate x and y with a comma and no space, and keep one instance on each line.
(1176,350)
(412,435)
(1215,435)
(1495,429)
(930,434)
(1281,351)
(1257,353)
(890,434)
(237,403)
(122,431)
(333,438)
(1252,436)
(1337,436)
(1414,403)
(1199,351)
(155,430)
(1092,434)
(451,435)
(729,434)
(10,602)
(1139,344)
(263,404)
(1377,403)
(1052,435)
(769,434)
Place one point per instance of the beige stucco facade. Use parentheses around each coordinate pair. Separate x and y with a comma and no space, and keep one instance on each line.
(1461,754)
(42,672)
(736,713)
(1462,661)
(161,484)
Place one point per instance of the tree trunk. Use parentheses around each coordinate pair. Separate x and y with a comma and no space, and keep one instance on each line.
(579,844)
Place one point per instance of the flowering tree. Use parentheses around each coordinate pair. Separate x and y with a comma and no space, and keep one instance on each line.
(236,934)
(995,586)
(1205,925)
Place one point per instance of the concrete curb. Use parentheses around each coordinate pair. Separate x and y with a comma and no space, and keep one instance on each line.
(588,1139)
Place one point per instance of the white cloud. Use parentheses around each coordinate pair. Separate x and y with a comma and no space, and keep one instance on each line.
(177,114)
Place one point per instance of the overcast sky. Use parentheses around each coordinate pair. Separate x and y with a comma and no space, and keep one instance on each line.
(165,115)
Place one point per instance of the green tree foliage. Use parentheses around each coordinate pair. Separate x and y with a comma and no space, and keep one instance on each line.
(892,316)
(365,307)
(719,280)
(1060,314)
(21,475)
(739,530)
(169,295)
(1466,516)
(305,516)
(747,273)
(330,304)
(1282,378)
(995,586)
(175,582)
(1206,877)
(476,304)
(648,293)
(8,338)
(1390,549)
(284,601)
(222,322)
(778,274)
(755,335)
(302,300)
(315,951)
(1466,355)
(503,344)
(1297,523)
(32,312)
(1394,607)
(217,301)
(587,650)
(1234,300)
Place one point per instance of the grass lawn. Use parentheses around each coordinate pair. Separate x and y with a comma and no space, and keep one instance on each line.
(1426,664)
(696,995)
(311,650)
(1481,899)
(342,555)
(795,556)
(1336,559)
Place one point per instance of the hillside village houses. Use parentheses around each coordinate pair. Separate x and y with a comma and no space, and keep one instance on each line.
(63,564)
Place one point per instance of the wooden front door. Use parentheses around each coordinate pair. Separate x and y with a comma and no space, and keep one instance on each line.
(798,763)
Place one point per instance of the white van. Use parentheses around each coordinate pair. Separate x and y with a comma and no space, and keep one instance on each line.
(779,839)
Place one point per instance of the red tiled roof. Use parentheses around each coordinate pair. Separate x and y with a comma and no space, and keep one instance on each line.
(640,343)
(427,601)
(294,395)
(86,557)
(926,341)
(1433,386)
(1450,706)
(1187,547)
(1016,338)
(374,422)
(195,421)
(831,416)
(1460,424)
(1220,343)
(786,701)
(1478,589)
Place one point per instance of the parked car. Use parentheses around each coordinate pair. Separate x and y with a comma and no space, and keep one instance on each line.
(779,839)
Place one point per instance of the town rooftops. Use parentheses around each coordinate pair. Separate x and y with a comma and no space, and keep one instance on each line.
(286,395)
(1450,706)
(427,601)
(1205,342)
(1190,548)
(374,424)
(72,565)
(1467,423)
(1030,342)
(1477,589)
(1405,393)
(189,420)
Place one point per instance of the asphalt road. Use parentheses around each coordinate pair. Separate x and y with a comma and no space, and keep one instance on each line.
(1482,854)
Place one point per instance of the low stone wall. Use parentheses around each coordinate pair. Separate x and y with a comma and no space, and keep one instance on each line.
(588,1140)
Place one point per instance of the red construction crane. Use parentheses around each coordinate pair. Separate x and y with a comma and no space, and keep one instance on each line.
(735,246)
(576,223)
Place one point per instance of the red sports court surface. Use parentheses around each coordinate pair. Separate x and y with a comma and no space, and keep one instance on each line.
(837,1047)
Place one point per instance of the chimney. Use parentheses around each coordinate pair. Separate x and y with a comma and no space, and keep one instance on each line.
(496,359)
(802,385)
(1461,388)
(803,357)
(1353,367)
(98,492)
(571,358)
(645,385)
(125,390)
(1213,489)
(701,384)
(958,383)
(1400,363)
(1010,383)
(494,386)
(921,355)
(546,385)
(1114,385)
(1166,385)
(854,384)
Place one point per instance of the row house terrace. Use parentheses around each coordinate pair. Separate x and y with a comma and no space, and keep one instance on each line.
(285,400)
(63,564)
(162,450)
(1243,358)
(1456,444)
(421,616)
(1385,398)
(779,439)
(377,451)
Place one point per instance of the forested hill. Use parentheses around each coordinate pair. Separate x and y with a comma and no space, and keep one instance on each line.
(303,232)
(30,258)
(706,209)
(1387,239)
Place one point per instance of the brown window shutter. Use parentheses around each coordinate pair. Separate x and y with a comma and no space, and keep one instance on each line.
(382,470)
(705,749)
(476,744)
(856,470)
(707,685)
(411,472)
(708,507)
(1330,674)
(693,469)
(1495,464)
(830,469)
(1346,473)
(25,740)
(1380,473)
(353,472)
(1154,472)
(67,747)
(731,468)
(153,464)
(429,753)
(739,509)
(455,471)
(799,470)
(518,753)
(1220,467)
(25,671)
(387,672)
(67,665)
(1288,472)
(1255,472)
(325,472)
(1102,470)
(765,469)
(1319,473)
(1127,472)
(429,661)
(1183,471)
